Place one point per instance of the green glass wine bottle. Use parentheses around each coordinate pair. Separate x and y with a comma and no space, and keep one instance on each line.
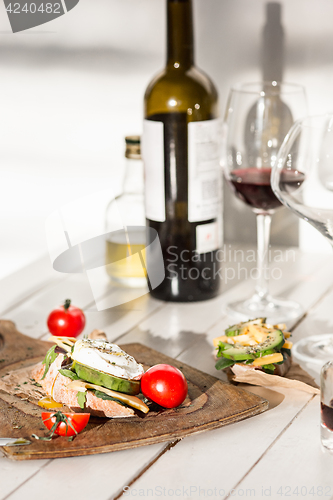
(181,152)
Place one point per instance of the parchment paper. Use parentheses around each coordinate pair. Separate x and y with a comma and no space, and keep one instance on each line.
(296,378)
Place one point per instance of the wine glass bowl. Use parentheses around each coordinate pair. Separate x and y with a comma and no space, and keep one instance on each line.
(258,117)
(307,151)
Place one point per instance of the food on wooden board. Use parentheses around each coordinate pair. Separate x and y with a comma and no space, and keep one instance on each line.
(101,365)
(66,320)
(257,344)
(165,385)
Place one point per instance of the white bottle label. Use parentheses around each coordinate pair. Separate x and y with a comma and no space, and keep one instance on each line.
(204,171)
(204,177)
(207,237)
(153,156)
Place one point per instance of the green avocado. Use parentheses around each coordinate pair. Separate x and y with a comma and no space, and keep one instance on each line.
(273,343)
(97,377)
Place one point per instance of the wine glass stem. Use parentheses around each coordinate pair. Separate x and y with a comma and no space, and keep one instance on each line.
(263,234)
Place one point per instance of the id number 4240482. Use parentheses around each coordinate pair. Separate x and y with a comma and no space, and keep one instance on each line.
(31,8)
(304,491)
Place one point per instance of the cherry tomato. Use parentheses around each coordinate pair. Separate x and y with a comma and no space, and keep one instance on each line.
(56,422)
(165,385)
(66,321)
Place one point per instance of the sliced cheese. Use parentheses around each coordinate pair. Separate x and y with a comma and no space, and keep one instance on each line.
(257,333)
(242,339)
(82,386)
(222,338)
(287,344)
(280,326)
(65,343)
(70,340)
(251,335)
(267,360)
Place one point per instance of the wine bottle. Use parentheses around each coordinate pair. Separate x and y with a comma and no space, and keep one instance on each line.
(181,150)
(270,107)
(272,44)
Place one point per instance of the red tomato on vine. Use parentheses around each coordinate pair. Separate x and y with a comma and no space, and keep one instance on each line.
(66,320)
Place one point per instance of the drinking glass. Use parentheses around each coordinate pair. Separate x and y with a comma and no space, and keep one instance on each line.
(307,153)
(326,405)
(258,116)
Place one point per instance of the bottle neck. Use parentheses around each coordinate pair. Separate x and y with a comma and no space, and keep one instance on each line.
(133,180)
(273,44)
(180,53)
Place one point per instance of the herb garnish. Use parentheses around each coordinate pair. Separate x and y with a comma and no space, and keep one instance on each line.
(69,374)
(224,363)
(81,399)
(102,395)
(48,360)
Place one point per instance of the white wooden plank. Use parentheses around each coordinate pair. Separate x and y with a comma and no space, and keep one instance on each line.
(119,320)
(301,468)
(95,477)
(177,327)
(220,458)
(14,473)
(30,316)
(16,287)
(317,321)
(308,285)
(303,278)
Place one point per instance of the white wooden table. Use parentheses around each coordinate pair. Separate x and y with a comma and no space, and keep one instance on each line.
(274,455)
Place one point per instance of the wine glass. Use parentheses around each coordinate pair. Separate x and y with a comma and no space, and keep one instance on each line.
(258,116)
(307,154)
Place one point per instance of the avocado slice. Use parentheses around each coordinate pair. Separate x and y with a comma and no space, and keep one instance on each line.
(272,343)
(237,329)
(106,380)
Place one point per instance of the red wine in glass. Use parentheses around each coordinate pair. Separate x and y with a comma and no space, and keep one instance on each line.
(327,416)
(252,185)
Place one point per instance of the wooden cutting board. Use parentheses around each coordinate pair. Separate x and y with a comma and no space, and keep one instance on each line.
(211,403)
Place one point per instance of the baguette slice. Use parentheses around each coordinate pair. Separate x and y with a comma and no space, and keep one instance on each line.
(55,385)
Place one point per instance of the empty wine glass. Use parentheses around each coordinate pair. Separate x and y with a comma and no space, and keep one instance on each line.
(308,152)
(258,116)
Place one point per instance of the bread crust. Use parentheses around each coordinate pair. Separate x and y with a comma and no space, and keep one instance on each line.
(55,385)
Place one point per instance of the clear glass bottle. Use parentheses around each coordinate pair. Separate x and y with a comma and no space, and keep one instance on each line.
(125,223)
(326,404)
